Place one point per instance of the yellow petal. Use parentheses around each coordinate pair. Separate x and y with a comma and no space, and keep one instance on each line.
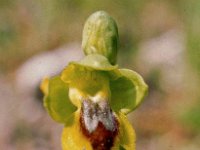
(127,135)
(72,137)
(44,85)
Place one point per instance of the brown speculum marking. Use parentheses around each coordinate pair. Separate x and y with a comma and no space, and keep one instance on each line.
(98,124)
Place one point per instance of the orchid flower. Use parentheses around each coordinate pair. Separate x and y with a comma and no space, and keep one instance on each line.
(93,96)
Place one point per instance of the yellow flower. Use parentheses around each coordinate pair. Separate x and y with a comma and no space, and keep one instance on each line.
(93,96)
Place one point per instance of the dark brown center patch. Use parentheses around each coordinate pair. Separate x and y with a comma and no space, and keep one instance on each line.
(101,138)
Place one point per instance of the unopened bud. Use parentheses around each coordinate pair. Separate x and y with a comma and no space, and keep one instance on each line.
(100,36)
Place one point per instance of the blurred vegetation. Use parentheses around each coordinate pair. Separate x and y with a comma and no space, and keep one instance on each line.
(29,27)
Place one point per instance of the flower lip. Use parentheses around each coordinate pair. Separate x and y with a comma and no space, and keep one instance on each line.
(99,124)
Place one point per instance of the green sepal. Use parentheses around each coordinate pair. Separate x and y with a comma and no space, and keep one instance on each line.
(90,75)
(77,71)
(127,92)
(84,69)
(96,62)
(57,101)
(85,79)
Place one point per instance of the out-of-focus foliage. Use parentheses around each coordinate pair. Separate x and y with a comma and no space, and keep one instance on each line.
(189,12)
(191,118)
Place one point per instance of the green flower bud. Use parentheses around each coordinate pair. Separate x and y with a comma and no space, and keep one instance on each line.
(100,36)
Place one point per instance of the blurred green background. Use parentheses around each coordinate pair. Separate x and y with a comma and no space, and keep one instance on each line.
(160,39)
